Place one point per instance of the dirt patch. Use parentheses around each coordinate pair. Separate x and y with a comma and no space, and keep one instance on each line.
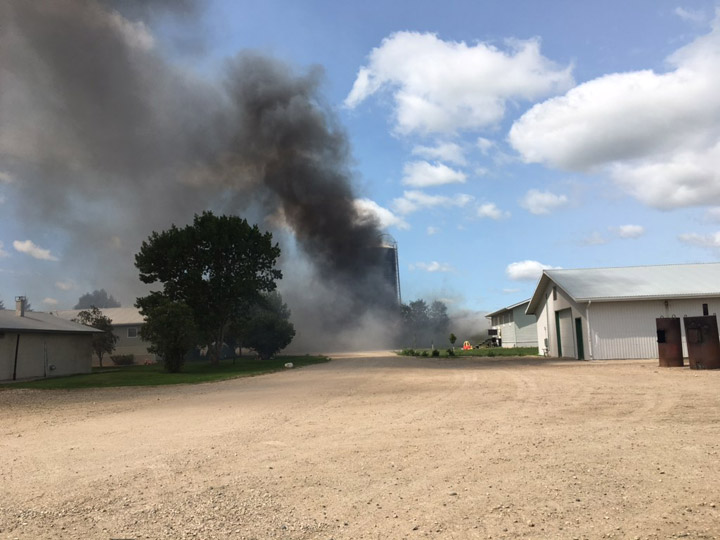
(375,448)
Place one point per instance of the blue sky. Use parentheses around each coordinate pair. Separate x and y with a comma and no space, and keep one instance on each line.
(492,138)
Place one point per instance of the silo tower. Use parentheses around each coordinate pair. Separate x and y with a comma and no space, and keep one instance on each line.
(390,269)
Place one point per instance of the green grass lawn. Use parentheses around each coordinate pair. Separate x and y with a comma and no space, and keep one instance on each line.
(489,351)
(154,375)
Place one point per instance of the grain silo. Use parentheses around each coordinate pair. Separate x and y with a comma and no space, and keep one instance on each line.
(390,269)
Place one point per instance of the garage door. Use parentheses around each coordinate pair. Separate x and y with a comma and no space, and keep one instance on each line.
(565,331)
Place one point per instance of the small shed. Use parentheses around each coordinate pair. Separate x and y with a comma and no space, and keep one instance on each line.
(36,345)
(610,313)
(513,326)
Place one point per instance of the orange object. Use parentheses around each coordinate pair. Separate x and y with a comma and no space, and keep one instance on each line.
(467,346)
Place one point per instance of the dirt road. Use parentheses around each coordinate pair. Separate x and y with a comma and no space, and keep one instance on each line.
(373,448)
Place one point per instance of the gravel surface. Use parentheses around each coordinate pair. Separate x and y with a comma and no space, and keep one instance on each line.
(372,448)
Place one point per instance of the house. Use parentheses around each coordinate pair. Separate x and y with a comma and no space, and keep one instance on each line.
(126,323)
(513,327)
(608,313)
(34,344)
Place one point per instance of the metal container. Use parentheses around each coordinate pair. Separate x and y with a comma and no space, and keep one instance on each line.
(703,344)
(669,339)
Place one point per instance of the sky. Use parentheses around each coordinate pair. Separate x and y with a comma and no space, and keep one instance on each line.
(491,139)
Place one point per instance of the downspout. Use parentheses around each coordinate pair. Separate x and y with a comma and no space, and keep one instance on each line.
(17,346)
(589,330)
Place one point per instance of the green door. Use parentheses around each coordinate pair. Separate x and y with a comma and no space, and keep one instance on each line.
(578,333)
(557,332)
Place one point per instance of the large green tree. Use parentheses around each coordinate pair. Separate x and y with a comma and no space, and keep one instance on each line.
(101,343)
(217,266)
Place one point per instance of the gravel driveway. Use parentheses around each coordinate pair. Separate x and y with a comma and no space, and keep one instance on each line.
(374,448)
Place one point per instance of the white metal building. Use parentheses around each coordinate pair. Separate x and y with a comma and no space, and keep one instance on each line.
(606,313)
(34,344)
(514,327)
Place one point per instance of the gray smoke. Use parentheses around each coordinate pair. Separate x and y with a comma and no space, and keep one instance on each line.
(108,141)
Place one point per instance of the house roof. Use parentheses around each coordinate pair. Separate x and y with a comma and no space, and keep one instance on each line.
(632,283)
(509,308)
(38,322)
(119,316)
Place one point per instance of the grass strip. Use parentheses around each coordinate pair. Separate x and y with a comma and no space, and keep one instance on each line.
(155,375)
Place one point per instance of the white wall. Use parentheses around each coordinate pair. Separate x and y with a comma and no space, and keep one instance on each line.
(69,353)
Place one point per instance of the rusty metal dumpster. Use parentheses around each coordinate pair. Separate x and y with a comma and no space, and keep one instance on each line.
(669,339)
(703,344)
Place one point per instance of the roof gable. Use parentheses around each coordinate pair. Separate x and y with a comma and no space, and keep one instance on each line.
(36,321)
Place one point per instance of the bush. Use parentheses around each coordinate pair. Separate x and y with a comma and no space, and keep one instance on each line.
(425,353)
(408,352)
(436,352)
(123,359)
(451,352)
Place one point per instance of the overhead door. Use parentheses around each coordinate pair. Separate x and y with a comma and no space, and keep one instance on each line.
(565,330)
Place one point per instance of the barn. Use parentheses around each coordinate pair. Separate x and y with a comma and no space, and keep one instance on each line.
(34,345)
(513,327)
(609,313)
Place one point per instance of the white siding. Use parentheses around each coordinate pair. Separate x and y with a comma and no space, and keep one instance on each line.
(68,353)
(525,328)
(567,340)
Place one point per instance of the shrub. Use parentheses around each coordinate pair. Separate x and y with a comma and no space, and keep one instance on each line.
(408,352)
(123,359)
(451,352)
(436,352)
(425,353)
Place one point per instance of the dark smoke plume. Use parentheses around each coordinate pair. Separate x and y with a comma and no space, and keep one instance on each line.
(107,141)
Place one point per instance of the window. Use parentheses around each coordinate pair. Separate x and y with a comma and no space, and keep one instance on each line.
(554,293)
(132,332)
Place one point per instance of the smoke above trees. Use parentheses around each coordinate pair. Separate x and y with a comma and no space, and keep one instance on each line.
(107,141)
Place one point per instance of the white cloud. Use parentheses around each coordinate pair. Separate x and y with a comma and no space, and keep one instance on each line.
(433,266)
(65,285)
(708,241)
(542,202)
(443,86)
(3,253)
(485,145)
(526,270)
(489,210)
(29,248)
(50,301)
(432,230)
(510,291)
(415,200)
(450,152)
(369,209)
(595,239)
(630,231)
(424,174)
(6,178)
(656,134)
(695,16)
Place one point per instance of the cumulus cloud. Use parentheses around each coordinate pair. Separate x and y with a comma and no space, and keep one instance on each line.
(447,151)
(29,248)
(542,202)
(433,266)
(368,209)
(630,231)
(50,301)
(656,134)
(432,230)
(490,210)
(526,270)
(691,15)
(485,145)
(424,174)
(443,86)
(702,240)
(65,285)
(510,291)
(3,253)
(414,200)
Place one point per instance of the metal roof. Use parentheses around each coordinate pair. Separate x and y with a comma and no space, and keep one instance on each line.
(38,322)
(632,283)
(119,316)
(509,308)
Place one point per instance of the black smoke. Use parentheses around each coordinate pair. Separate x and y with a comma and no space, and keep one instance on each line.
(107,140)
